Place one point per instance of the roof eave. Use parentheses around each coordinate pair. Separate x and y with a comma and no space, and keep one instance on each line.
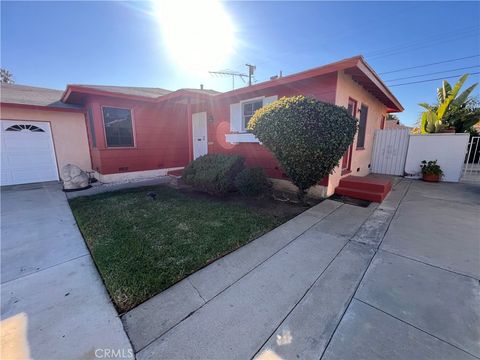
(40,107)
(95,92)
(367,70)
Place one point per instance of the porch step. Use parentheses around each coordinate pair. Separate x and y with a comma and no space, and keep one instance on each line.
(368,183)
(365,188)
(175,172)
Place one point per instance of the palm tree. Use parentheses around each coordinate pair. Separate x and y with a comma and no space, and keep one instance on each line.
(6,77)
(452,110)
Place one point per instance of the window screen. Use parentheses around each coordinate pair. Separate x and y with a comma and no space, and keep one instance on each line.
(249,109)
(362,126)
(118,127)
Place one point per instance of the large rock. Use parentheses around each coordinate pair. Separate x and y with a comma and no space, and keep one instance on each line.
(73,177)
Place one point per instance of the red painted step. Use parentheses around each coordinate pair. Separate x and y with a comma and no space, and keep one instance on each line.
(361,194)
(175,172)
(367,183)
(365,188)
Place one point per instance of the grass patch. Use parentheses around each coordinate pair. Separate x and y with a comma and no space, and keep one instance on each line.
(143,246)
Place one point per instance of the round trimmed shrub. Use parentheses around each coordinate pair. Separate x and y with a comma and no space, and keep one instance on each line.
(252,182)
(308,137)
(213,173)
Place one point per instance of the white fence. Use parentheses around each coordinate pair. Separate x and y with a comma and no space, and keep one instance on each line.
(396,152)
(471,167)
(390,151)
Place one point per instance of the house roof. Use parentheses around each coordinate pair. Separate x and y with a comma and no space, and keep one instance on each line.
(33,96)
(355,66)
(75,93)
(128,90)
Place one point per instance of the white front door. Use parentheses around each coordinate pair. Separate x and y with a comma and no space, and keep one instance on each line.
(28,154)
(199,131)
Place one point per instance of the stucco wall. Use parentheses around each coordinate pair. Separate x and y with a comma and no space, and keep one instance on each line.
(68,131)
(256,155)
(448,149)
(160,135)
(361,158)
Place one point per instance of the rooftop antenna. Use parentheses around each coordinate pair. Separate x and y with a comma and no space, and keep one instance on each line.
(251,71)
(232,73)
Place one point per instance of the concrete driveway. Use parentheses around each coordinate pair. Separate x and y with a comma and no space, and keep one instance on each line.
(53,303)
(398,280)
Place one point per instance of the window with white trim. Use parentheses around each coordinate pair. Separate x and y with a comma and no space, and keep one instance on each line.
(248,109)
(118,127)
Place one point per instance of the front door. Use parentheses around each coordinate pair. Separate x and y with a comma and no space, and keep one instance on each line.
(346,160)
(347,157)
(199,131)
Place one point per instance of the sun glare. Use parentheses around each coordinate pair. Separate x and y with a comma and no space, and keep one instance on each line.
(198,35)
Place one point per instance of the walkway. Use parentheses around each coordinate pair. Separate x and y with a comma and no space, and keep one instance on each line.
(53,304)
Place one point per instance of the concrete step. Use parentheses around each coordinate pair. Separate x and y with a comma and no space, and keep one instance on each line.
(367,183)
(361,194)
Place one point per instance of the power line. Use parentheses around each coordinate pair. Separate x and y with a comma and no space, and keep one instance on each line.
(421,45)
(442,78)
(427,39)
(433,73)
(430,64)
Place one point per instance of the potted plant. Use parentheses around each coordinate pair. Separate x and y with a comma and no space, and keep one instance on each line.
(431,172)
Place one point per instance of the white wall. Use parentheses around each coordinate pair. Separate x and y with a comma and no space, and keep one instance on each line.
(448,149)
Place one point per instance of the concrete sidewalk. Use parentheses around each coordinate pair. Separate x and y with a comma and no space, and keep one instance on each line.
(53,304)
(319,286)
(420,298)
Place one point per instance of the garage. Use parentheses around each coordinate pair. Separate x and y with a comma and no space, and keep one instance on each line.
(28,153)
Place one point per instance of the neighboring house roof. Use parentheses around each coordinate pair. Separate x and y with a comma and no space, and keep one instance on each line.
(355,66)
(128,90)
(13,94)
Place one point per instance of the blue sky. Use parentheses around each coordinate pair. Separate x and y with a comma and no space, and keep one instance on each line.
(52,44)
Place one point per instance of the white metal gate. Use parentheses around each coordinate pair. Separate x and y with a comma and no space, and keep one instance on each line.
(471,166)
(390,151)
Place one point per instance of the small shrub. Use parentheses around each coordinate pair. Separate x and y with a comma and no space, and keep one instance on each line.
(308,137)
(213,173)
(252,182)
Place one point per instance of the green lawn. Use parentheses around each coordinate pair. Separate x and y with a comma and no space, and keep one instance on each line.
(142,246)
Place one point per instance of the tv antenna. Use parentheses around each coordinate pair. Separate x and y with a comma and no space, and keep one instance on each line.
(232,73)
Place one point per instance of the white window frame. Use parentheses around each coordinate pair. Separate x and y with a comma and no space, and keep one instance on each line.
(248,101)
(105,131)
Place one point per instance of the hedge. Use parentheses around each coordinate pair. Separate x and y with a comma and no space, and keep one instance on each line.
(307,136)
(252,182)
(213,173)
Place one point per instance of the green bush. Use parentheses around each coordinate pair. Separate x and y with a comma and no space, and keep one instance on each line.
(252,182)
(213,173)
(308,137)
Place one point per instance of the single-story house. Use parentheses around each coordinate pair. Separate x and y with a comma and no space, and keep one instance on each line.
(143,132)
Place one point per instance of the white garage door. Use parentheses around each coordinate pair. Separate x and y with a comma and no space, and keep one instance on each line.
(28,154)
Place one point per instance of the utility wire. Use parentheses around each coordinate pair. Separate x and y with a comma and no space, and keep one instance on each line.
(433,73)
(433,38)
(430,64)
(421,45)
(442,78)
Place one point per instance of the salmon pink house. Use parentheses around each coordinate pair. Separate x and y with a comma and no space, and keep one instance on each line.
(143,132)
